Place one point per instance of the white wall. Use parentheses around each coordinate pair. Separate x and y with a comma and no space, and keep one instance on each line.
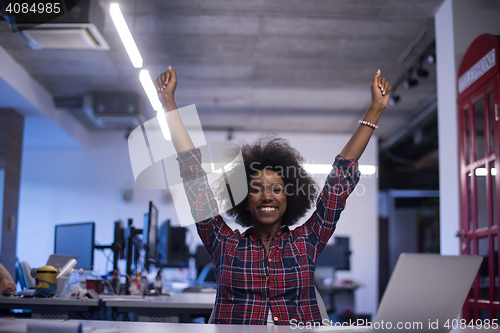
(63,186)
(458,23)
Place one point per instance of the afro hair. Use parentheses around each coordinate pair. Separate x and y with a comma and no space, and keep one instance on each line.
(273,153)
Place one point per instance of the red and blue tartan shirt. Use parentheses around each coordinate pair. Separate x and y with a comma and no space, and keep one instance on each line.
(249,284)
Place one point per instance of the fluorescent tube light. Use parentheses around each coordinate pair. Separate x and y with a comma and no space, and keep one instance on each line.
(150,90)
(318,169)
(152,94)
(162,119)
(481,172)
(324,169)
(484,172)
(367,169)
(125,35)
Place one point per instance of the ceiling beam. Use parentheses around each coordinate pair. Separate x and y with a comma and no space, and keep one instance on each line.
(21,92)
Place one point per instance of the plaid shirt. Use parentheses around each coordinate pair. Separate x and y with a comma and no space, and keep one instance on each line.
(249,284)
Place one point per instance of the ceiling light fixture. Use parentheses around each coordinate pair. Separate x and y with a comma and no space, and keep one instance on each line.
(325,169)
(394,99)
(483,172)
(152,94)
(125,35)
(416,69)
(422,72)
(431,58)
(150,90)
(410,81)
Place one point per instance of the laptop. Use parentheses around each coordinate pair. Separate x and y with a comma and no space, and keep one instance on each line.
(60,259)
(426,292)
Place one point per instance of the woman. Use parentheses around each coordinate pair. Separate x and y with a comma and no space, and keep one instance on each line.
(7,284)
(266,274)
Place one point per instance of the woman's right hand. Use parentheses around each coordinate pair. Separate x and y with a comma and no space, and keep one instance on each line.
(165,85)
(7,285)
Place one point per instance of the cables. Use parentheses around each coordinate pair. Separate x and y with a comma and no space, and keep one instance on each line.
(108,259)
(410,47)
(110,286)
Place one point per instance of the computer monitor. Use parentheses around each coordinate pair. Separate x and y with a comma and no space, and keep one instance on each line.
(336,255)
(177,250)
(149,234)
(162,242)
(76,239)
(118,246)
(119,239)
(172,248)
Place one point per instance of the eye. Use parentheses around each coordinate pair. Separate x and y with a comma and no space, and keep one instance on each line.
(254,190)
(278,190)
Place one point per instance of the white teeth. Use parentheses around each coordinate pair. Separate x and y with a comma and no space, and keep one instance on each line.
(267,209)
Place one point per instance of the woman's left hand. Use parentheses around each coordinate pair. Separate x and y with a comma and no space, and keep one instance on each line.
(380,89)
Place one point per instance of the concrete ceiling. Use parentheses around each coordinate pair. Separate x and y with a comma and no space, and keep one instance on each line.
(285,65)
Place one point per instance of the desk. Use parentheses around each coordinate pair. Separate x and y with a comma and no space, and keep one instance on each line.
(175,308)
(20,326)
(50,308)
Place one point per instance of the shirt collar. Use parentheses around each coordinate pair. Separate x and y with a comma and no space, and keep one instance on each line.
(250,232)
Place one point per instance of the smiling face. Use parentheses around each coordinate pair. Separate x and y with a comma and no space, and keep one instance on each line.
(266,198)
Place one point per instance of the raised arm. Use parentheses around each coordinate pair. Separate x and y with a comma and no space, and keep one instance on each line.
(7,284)
(210,225)
(165,85)
(380,89)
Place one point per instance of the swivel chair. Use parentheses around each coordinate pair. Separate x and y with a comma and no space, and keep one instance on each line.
(23,274)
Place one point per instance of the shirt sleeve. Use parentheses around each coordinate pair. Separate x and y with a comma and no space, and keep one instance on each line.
(210,225)
(331,202)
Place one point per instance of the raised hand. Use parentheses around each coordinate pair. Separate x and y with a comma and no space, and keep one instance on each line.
(165,85)
(356,145)
(7,285)
(380,88)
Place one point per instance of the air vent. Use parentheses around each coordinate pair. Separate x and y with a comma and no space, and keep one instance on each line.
(113,110)
(66,36)
(78,29)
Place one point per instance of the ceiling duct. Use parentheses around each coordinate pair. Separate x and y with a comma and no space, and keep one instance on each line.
(78,29)
(113,110)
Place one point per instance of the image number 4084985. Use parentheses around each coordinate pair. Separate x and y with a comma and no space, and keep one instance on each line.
(26,14)
(16,8)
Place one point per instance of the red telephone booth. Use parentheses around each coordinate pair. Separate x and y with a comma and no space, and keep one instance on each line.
(479,136)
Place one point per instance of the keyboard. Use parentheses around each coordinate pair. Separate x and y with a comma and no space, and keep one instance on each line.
(28,292)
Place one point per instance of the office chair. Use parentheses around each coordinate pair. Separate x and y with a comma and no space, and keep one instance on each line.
(23,270)
(206,275)
(202,258)
(321,305)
